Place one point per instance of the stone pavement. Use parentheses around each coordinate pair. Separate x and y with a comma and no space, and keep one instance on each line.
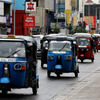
(88,88)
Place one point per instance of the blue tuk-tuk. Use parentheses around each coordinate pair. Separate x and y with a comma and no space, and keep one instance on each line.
(18,63)
(62,56)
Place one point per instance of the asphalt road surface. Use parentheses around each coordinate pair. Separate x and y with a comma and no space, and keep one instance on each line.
(48,87)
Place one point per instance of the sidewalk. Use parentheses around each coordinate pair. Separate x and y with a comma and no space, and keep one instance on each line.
(87,88)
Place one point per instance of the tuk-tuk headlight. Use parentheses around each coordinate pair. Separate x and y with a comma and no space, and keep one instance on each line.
(98,43)
(17,67)
(87,49)
(6,71)
(68,57)
(50,57)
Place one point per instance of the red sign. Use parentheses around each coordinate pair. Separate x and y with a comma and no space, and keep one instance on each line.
(29,21)
(30,7)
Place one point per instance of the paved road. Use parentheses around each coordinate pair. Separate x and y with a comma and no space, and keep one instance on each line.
(51,86)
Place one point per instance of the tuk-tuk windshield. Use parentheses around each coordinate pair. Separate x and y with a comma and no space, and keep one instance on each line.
(12,49)
(60,46)
(83,41)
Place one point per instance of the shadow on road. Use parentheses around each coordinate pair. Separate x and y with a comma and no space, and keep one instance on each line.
(62,77)
(15,96)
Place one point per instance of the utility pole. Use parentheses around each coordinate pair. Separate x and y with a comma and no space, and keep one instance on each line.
(57,12)
(42,16)
(14,18)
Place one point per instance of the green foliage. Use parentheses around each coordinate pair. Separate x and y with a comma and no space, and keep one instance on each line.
(56,30)
(79,30)
(28,34)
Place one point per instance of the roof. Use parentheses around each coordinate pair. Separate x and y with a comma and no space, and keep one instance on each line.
(58,37)
(18,38)
(96,35)
(82,35)
(38,36)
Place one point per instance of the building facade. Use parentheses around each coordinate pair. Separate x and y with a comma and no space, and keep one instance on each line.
(59,13)
(19,16)
(5,16)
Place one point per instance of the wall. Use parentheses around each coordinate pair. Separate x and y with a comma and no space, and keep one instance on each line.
(19,14)
(49,5)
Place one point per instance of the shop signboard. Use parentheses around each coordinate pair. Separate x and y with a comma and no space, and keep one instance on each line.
(30,7)
(29,21)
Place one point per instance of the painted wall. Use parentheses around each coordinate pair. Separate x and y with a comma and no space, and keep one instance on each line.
(19,14)
(49,4)
(67,4)
(19,4)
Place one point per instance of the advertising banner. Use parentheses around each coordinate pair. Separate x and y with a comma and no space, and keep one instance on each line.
(29,21)
(91,21)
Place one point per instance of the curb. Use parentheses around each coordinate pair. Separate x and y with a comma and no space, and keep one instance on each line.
(73,89)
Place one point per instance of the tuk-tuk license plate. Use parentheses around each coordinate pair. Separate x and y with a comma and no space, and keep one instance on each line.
(7,60)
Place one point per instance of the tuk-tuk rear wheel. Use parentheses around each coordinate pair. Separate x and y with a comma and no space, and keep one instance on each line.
(34,89)
(92,60)
(76,74)
(48,73)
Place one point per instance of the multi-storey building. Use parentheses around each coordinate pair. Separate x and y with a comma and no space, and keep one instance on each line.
(44,15)
(89,12)
(59,13)
(5,16)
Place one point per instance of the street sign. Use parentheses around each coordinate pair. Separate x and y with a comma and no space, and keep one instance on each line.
(29,21)
(30,7)
(68,11)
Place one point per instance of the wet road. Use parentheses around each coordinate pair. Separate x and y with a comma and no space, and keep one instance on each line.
(51,86)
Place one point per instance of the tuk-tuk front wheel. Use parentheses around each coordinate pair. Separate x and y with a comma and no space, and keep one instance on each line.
(4,91)
(81,60)
(58,75)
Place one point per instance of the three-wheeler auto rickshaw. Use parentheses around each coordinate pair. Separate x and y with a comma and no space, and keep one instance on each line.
(18,63)
(44,48)
(85,46)
(62,56)
(97,41)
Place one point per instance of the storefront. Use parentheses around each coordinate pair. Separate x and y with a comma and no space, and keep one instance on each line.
(5,16)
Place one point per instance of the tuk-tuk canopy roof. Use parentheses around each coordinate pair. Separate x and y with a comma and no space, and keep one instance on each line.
(96,35)
(58,37)
(82,35)
(19,37)
(30,40)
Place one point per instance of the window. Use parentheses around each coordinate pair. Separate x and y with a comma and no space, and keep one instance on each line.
(6,8)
